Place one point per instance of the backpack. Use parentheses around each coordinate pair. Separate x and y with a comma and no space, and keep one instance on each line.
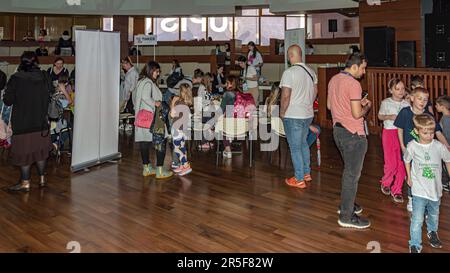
(243,105)
(174,78)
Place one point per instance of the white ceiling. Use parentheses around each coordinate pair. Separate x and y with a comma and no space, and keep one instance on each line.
(165,7)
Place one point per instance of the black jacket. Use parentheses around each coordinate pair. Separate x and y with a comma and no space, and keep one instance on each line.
(29,94)
(216,83)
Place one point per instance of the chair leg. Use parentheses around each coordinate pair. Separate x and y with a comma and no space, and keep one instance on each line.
(217,153)
(251,153)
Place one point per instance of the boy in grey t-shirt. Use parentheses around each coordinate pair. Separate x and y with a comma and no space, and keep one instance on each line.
(443,106)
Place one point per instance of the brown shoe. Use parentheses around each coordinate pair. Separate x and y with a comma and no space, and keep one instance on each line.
(22,186)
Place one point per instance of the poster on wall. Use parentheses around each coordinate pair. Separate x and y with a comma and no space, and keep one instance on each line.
(292,37)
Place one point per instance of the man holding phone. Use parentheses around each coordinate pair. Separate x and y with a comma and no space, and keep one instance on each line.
(348,108)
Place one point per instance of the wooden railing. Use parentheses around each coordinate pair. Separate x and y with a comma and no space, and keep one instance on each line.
(437,82)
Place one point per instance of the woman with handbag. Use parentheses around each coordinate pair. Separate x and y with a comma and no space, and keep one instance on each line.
(147,100)
(28,91)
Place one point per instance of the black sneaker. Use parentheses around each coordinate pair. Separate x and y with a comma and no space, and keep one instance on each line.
(414,249)
(355,222)
(356,209)
(433,238)
(446,187)
(385,190)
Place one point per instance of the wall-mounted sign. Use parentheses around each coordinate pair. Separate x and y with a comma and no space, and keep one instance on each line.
(141,40)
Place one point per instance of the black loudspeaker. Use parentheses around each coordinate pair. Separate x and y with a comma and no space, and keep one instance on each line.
(379,46)
(406,54)
(441,7)
(437,41)
(332,25)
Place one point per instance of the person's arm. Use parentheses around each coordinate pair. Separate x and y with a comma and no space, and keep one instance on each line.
(400,139)
(62,89)
(386,117)
(442,139)
(408,172)
(285,100)
(316,92)
(360,108)
(9,97)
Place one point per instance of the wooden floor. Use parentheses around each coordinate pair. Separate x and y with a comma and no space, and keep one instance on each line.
(231,208)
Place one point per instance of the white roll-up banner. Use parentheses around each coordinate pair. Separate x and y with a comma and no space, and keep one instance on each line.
(97,80)
(294,37)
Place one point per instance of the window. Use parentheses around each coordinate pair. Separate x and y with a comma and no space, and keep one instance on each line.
(167,29)
(108,24)
(193,28)
(130,29)
(266,12)
(148,25)
(220,28)
(250,12)
(271,28)
(246,29)
(295,21)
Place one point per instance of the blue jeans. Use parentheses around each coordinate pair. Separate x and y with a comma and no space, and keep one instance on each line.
(419,206)
(296,134)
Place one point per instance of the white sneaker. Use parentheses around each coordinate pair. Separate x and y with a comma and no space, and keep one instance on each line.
(409,207)
(227,154)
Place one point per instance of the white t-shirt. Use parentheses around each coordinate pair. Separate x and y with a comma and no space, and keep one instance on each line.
(426,169)
(250,72)
(391,107)
(204,96)
(256,60)
(302,91)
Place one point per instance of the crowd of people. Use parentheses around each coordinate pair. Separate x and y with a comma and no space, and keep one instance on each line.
(411,153)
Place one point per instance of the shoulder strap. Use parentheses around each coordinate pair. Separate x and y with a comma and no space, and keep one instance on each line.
(312,78)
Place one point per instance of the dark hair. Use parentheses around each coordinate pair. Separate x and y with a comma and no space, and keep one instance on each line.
(444,101)
(229,46)
(58,59)
(28,61)
(127,60)
(65,32)
(220,65)
(177,63)
(242,59)
(2,80)
(44,31)
(63,78)
(355,58)
(234,81)
(148,69)
(255,49)
(198,73)
(417,81)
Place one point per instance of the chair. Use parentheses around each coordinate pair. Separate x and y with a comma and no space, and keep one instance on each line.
(278,127)
(126,118)
(232,128)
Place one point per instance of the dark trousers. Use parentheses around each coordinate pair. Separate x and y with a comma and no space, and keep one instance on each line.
(145,154)
(353,149)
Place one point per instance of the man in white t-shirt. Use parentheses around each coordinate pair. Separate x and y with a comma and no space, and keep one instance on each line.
(299,90)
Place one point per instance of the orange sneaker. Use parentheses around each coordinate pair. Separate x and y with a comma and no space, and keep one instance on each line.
(307,178)
(293,182)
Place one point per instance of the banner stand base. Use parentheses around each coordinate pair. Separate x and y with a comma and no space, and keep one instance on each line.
(88,164)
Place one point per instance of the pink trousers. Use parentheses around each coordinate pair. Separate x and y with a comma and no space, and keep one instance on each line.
(394,168)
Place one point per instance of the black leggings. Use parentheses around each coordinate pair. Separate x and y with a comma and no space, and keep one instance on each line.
(145,154)
(25,171)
